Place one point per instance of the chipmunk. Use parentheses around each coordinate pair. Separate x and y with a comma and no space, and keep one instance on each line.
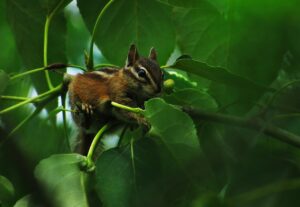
(91,93)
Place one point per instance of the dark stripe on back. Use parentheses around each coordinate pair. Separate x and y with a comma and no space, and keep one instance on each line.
(94,76)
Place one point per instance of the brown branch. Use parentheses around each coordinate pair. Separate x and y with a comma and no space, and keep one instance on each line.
(254,124)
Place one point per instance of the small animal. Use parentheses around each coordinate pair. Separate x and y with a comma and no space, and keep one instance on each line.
(91,93)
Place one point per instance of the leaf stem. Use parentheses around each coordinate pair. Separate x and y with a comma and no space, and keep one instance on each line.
(55,90)
(13,98)
(95,142)
(127,108)
(27,73)
(90,63)
(46,32)
(165,66)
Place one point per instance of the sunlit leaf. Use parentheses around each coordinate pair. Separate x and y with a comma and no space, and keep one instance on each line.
(63,179)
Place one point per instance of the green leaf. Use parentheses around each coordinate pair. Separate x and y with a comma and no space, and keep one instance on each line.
(192,97)
(217,74)
(256,45)
(63,179)
(114,179)
(7,191)
(54,6)
(174,130)
(28,28)
(170,124)
(203,33)
(26,201)
(130,175)
(4,79)
(133,21)
(90,11)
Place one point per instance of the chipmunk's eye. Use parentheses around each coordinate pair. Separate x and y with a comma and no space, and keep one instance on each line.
(141,72)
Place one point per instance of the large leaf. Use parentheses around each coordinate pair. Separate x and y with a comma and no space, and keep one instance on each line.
(239,40)
(63,179)
(90,11)
(180,150)
(217,74)
(129,176)
(114,179)
(203,33)
(247,40)
(175,131)
(256,48)
(7,191)
(132,21)
(27,20)
(170,124)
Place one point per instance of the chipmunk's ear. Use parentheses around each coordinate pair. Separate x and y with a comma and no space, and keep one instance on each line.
(152,54)
(133,55)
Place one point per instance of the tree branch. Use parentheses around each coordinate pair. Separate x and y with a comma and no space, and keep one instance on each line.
(254,124)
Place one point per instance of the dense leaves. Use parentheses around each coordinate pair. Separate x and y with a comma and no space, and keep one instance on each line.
(27,20)
(238,58)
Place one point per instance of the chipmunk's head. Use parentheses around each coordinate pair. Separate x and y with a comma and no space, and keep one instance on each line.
(145,75)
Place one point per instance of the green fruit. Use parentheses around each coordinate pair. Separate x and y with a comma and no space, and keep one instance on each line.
(169,85)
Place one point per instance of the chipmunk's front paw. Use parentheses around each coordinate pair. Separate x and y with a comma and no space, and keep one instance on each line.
(87,108)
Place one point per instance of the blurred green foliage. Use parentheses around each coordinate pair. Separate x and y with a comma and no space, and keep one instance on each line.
(243,61)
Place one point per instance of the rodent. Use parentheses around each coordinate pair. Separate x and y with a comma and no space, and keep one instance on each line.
(91,93)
